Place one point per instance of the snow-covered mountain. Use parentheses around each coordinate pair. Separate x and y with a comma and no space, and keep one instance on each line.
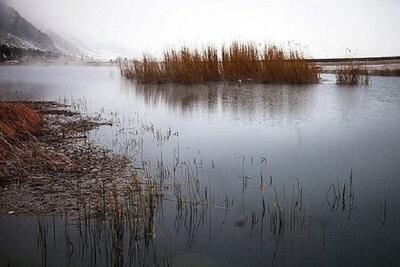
(65,46)
(99,50)
(17,32)
(19,38)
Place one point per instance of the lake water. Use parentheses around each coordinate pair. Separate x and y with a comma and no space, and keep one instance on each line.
(252,148)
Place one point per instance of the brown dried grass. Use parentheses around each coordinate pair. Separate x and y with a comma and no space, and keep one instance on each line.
(17,121)
(238,62)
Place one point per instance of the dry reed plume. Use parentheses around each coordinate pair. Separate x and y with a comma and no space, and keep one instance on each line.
(238,62)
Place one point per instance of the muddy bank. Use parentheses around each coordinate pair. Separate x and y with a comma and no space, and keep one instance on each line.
(60,170)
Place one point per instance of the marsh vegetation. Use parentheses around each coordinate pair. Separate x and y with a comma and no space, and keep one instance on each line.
(237,62)
(352,73)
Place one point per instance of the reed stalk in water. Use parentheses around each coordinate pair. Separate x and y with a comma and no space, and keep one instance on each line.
(352,74)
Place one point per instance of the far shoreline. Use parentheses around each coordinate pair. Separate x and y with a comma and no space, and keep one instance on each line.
(378,66)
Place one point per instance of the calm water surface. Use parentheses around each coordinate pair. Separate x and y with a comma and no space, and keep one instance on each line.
(249,146)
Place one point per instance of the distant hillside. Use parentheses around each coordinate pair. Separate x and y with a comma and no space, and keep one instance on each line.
(19,37)
(98,49)
(64,46)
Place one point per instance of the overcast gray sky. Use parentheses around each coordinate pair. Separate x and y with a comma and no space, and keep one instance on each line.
(324,28)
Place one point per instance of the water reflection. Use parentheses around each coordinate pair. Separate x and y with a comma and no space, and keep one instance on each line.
(240,139)
(250,102)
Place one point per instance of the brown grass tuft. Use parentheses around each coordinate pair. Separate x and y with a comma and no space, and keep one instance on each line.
(236,62)
(17,121)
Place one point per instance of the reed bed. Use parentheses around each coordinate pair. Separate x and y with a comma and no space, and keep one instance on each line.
(237,62)
(352,74)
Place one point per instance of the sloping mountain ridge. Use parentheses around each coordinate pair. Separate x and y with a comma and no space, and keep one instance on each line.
(65,46)
(19,38)
(17,32)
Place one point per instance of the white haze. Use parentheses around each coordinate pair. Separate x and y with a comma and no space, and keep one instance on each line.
(323,28)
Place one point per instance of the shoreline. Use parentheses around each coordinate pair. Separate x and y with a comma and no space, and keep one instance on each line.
(61,171)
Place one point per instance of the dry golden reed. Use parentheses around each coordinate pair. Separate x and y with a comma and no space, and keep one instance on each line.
(238,62)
